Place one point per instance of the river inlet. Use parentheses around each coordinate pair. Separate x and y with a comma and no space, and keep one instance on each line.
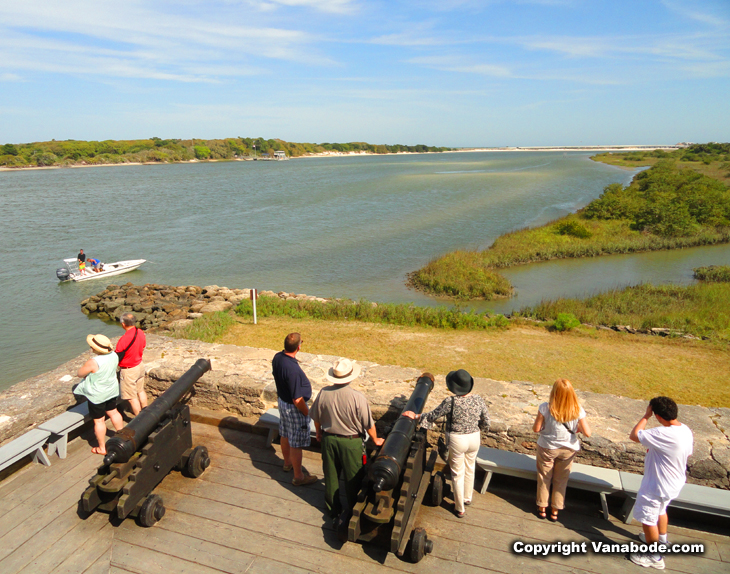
(332,227)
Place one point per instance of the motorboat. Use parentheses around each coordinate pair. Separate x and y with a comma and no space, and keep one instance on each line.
(70,271)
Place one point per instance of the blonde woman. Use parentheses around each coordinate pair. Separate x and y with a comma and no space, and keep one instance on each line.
(558,422)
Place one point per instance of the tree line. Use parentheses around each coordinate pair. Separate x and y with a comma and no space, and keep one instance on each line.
(155,149)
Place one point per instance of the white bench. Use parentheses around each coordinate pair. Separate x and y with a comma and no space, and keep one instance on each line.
(60,426)
(582,476)
(692,497)
(270,419)
(30,443)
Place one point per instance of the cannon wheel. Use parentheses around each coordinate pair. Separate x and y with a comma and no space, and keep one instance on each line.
(152,510)
(437,489)
(420,545)
(198,462)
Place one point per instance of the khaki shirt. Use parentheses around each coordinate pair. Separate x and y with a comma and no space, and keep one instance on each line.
(342,410)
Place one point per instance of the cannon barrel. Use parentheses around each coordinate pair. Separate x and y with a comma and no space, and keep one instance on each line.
(388,465)
(130,439)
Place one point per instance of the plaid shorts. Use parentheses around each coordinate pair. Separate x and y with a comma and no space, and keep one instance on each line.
(293,425)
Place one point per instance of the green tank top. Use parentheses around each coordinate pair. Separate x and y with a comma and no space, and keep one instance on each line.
(102,385)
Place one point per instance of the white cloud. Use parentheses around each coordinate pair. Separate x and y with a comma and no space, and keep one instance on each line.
(461,64)
(130,39)
(333,6)
(698,11)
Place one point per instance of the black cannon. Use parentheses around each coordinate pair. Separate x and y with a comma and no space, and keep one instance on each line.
(140,455)
(397,480)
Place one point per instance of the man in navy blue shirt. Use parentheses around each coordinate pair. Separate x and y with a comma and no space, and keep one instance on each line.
(294,390)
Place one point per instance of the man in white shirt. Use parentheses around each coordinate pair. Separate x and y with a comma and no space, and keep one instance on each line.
(668,447)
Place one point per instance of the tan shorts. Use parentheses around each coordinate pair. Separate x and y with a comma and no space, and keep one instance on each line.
(131,381)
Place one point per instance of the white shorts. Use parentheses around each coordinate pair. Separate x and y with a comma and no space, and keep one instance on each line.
(648,509)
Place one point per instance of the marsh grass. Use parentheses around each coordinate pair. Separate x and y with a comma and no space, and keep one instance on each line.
(365,311)
(473,275)
(207,328)
(701,310)
(714,273)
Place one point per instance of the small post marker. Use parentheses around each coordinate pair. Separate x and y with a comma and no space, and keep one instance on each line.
(254,295)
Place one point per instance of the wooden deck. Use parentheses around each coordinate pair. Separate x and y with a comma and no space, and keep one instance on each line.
(243,515)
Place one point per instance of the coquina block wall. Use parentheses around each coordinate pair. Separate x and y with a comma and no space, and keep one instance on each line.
(241,384)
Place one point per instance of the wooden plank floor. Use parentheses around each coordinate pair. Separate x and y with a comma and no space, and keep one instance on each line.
(243,515)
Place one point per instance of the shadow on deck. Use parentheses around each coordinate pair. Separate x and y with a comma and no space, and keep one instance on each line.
(244,515)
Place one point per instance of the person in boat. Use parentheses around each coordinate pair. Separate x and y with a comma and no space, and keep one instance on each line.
(82,261)
(96,265)
(100,387)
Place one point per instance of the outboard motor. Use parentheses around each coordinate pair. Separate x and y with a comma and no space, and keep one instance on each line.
(63,274)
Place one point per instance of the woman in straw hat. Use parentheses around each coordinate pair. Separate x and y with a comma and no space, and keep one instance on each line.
(100,387)
(465,415)
(558,421)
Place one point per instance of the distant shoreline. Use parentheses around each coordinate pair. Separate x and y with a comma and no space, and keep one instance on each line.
(620,148)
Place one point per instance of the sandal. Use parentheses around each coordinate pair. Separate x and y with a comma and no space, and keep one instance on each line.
(541,512)
(553,515)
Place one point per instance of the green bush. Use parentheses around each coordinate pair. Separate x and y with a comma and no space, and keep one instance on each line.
(573,228)
(566,322)
(201,152)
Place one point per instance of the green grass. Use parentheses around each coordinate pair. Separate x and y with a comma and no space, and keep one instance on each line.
(716,273)
(365,311)
(207,328)
(701,310)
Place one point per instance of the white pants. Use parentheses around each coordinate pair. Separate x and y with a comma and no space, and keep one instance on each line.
(463,449)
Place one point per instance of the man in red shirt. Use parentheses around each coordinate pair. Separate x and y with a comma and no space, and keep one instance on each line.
(130,348)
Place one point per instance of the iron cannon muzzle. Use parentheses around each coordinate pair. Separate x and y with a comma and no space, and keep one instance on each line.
(122,446)
(388,465)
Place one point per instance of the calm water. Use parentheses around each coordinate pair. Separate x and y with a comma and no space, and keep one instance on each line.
(333,227)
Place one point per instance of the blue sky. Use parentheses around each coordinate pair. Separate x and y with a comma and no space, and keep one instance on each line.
(448,72)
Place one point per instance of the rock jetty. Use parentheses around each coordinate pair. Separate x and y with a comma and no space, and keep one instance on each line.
(169,307)
(242,385)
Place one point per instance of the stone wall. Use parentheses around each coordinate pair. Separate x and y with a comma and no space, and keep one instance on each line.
(241,383)
(166,306)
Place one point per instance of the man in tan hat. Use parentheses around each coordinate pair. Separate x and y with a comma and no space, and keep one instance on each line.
(100,388)
(342,418)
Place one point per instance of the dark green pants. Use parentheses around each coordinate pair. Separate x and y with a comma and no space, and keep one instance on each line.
(341,456)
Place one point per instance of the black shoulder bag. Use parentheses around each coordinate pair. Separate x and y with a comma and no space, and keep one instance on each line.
(120,354)
(442,445)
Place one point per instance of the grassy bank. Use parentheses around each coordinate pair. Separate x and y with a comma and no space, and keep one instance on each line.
(712,159)
(665,207)
(474,275)
(701,310)
(366,311)
(601,361)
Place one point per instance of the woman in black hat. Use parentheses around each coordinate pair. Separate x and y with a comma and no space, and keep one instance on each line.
(465,415)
